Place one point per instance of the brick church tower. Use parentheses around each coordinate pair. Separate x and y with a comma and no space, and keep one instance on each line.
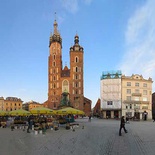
(64,80)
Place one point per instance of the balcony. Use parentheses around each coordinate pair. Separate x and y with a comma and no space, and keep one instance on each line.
(135,102)
(137,94)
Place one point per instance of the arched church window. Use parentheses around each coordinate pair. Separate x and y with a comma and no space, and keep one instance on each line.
(76,69)
(65,86)
(54,85)
(54,78)
(76,76)
(76,59)
(54,64)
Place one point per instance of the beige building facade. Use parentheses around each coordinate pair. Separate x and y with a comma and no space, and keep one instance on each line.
(1,103)
(31,104)
(136,96)
(12,103)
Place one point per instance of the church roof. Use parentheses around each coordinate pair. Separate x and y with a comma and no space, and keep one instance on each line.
(65,72)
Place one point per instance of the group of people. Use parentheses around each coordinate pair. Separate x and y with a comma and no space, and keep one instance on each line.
(31,122)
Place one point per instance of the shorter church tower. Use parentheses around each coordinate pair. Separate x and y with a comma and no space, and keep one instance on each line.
(76,74)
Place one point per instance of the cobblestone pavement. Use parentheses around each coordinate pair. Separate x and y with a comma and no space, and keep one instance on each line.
(99,137)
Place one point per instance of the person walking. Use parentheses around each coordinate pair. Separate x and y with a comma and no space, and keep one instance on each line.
(89,118)
(122,125)
(30,123)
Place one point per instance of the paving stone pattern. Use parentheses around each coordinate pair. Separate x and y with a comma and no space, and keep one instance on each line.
(99,137)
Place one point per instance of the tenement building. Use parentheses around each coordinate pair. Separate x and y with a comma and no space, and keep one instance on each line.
(110,93)
(1,103)
(64,80)
(12,103)
(30,105)
(137,96)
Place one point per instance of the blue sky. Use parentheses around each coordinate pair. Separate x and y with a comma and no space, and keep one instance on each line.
(115,35)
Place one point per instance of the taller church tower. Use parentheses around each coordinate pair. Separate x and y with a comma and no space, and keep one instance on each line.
(65,80)
(54,67)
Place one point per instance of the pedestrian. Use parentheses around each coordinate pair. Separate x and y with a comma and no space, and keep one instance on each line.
(30,123)
(122,125)
(89,118)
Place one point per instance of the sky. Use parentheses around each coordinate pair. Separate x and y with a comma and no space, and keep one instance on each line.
(115,35)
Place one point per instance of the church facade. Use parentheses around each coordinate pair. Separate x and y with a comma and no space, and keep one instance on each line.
(64,80)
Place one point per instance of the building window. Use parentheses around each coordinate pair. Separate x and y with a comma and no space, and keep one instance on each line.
(76,69)
(137,84)
(136,98)
(144,84)
(54,78)
(109,102)
(65,86)
(126,107)
(54,85)
(76,84)
(76,92)
(144,107)
(128,98)
(144,98)
(136,90)
(128,91)
(144,92)
(54,63)
(130,106)
(76,77)
(76,59)
(128,83)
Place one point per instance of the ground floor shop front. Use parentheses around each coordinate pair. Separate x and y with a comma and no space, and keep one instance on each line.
(137,114)
(111,113)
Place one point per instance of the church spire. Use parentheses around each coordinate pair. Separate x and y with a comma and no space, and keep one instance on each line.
(55,26)
(56,37)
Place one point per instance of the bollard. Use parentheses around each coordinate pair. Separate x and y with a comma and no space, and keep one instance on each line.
(40,131)
(35,132)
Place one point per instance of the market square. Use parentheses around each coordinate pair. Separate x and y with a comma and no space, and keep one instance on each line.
(98,137)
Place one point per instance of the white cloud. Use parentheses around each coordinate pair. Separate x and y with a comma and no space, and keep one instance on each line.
(139,57)
(70,5)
